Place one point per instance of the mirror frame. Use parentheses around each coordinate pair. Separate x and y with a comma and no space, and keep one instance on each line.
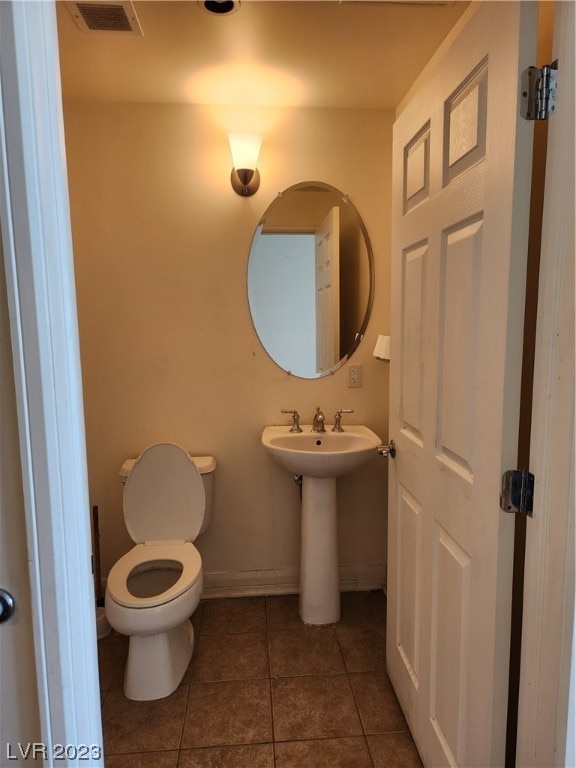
(343,200)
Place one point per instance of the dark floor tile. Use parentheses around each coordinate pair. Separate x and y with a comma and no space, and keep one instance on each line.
(319,712)
(359,608)
(231,657)
(377,703)
(309,652)
(246,756)
(363,648)
(117,678)
(141,726)
(319,706)
(394,750)
(283,613)
(233,712)
(350,752)
(112,654)
(233,614)
(143,760)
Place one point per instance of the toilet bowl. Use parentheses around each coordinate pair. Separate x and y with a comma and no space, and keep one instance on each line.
(153,589)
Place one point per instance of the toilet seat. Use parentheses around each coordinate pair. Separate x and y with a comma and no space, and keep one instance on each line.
(183,552)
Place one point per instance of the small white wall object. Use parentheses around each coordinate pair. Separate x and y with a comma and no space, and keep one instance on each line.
(382,348)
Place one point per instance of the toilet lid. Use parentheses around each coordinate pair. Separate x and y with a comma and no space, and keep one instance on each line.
(164,497)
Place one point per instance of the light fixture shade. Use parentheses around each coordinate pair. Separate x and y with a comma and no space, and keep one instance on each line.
(245,150)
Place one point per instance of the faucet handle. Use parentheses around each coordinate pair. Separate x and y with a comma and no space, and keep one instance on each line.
(295,419)
(338,418)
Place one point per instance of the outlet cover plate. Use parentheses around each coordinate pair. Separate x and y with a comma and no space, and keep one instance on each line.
(354,375)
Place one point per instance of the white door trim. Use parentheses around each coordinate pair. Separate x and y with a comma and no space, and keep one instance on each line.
(547,643)
(35,223)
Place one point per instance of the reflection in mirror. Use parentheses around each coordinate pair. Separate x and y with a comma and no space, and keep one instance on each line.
(310,279)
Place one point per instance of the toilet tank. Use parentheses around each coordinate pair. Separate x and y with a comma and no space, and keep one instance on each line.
(206,466)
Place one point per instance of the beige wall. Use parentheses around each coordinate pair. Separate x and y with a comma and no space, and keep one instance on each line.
(168,348)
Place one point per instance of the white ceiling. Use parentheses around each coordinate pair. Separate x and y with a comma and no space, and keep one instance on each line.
(267,53)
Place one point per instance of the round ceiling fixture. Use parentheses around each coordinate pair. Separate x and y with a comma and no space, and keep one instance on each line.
(221,7)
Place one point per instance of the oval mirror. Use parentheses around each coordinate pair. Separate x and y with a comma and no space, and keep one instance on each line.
(310,279)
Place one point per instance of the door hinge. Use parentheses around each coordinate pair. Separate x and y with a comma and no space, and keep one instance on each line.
(517,491)
(539,91)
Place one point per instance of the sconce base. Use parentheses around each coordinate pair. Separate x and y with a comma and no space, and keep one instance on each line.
(245,181)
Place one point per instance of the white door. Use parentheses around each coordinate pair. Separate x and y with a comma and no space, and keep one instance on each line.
(461,174)
(327,242)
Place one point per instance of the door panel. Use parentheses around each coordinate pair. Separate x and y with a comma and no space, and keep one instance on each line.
(449,648)
(460,210)
(411,338)
(465,124)
(409,587)
(460,261)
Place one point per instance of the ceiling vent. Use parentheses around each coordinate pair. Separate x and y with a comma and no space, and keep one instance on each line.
(96,16)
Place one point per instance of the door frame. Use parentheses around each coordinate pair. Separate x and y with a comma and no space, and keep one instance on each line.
(37,242)
(544,733)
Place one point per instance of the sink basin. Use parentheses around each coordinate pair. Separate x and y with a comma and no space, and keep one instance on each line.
(321,454)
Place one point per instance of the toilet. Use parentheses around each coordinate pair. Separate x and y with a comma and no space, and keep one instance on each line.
(153,590)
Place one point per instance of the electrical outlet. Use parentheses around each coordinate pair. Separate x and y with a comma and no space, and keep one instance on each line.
(355,375)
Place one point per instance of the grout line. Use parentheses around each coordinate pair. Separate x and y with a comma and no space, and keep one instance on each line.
(364,734)
(185,714)
(272,719)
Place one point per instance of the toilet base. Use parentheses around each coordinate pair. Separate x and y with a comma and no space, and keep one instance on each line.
(156,663)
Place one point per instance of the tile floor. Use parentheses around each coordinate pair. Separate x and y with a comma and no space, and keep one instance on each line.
(265,691)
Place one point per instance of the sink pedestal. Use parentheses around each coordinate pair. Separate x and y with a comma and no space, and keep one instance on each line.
(319,572)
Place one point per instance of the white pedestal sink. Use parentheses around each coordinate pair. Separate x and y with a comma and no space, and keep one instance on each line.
(320,457)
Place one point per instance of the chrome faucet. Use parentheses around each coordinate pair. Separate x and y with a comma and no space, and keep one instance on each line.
(295,420)
(338,418)
(318,421)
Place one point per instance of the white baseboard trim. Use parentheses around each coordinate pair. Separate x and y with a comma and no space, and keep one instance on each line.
(285,581)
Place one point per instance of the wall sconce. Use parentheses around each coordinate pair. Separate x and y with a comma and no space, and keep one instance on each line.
(245,150)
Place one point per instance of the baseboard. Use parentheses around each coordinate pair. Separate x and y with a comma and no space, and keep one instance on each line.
(286,581)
